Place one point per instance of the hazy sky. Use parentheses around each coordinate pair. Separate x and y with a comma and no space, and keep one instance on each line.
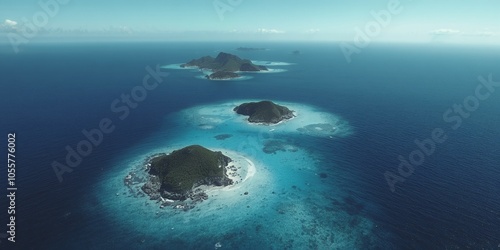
(461,21)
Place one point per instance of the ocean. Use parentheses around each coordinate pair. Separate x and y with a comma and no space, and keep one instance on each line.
(313,189)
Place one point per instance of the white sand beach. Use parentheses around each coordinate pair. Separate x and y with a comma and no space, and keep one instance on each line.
(240,170)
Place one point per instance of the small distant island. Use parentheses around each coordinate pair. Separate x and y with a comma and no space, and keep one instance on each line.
(222,75)
(265,112)
(250,49)
(177,176)
(224,66)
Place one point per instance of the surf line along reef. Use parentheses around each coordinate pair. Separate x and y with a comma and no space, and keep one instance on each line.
(182,178)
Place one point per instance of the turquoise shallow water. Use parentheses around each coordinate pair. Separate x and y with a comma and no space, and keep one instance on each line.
(386,98)
(287,201)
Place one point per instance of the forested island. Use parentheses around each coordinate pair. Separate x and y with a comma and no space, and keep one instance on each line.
(224,66)
(265,112)
(177,175)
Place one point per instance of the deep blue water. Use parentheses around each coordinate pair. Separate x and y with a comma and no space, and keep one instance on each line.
(390,95)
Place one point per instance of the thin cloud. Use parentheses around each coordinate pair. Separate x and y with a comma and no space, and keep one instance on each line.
(125,29)
(481,34)
(452,32)
(445,32)
(312,31)
(8,25)
(10,22)
(270,31)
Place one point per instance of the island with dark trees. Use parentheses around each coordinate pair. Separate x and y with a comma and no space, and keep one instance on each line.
(177,176)
(222,75)
(265,112)
(224,66)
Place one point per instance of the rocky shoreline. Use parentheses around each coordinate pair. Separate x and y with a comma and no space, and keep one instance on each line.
(265,112)
(222,75)
(151,186)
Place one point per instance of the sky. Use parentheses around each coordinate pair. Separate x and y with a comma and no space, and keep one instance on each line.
(455,21)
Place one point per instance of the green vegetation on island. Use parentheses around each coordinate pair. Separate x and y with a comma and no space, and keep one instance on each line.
(224,65)
(222,75)
(264,112)
(174,176)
